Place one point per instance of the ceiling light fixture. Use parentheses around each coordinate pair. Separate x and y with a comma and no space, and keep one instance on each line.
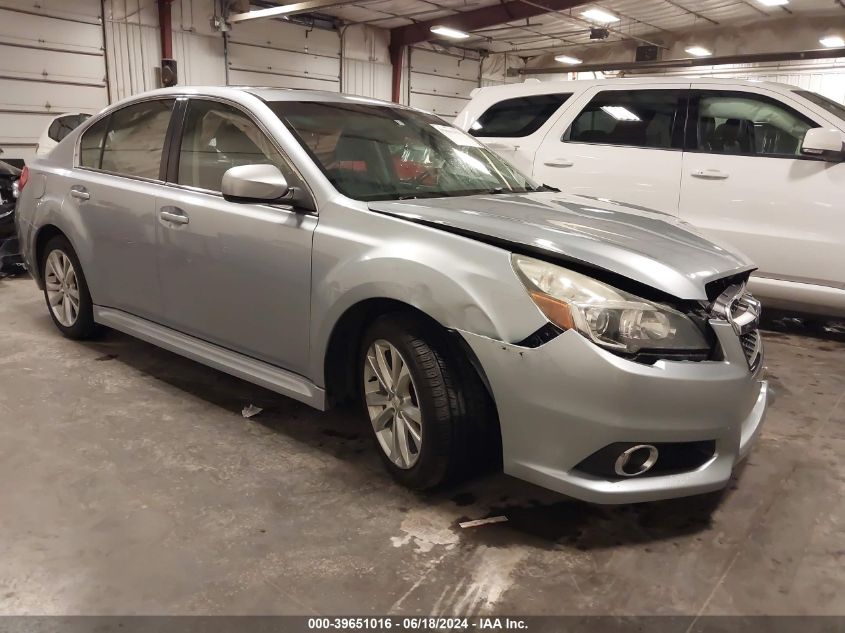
(832,41)
(773,3)
(698,51)
(566,59)
(446,31)
(597,15)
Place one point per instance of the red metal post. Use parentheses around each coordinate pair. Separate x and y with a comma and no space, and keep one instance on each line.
(397,54)
(165,26)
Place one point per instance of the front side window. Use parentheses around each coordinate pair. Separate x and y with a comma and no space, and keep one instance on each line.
(374,152)
(217,137)
(833,107)
(635,118)
(748,124)
(517,117)
(134,143)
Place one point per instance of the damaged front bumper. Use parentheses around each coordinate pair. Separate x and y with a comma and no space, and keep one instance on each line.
(568,399)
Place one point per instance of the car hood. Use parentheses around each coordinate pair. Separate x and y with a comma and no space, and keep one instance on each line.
(646,246)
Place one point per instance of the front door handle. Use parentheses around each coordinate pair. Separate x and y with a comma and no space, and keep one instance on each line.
(80,193)
(559,162)
(174,215)
(710,174)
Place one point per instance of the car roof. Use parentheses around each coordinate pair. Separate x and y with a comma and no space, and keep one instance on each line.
(533,85)
(266,93)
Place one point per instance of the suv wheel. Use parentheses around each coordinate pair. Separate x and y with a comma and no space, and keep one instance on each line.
(424,401)
(65,290)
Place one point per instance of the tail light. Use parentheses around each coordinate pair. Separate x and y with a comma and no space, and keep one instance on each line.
(24,178)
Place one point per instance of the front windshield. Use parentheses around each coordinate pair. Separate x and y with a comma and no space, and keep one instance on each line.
(374,152)
(836,109)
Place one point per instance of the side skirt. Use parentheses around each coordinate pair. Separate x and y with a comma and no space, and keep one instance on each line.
(251,370)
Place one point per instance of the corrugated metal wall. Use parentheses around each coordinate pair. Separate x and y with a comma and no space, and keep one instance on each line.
(52,60)
(134,52)
(825,76)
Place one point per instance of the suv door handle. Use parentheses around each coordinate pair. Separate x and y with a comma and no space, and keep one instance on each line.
(559,162)
(174,215)
(80,193)
(502,147)
(710,174)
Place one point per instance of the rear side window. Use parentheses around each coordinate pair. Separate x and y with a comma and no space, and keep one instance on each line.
(747,124)
(642,118)
(63,126)
(91,145)
(517,117)
(134,143)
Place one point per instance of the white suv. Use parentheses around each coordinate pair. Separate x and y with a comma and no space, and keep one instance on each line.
(754,164)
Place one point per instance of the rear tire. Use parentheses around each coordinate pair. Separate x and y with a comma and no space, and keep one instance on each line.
(414,382)
(66,291)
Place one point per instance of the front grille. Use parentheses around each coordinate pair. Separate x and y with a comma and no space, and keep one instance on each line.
(751,347)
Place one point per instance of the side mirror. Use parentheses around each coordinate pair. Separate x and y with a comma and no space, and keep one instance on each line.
(254,183)
(825,143)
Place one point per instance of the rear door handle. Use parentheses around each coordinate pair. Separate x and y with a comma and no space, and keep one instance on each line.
(710,174)
(80,193)
(559,162)
(175,215)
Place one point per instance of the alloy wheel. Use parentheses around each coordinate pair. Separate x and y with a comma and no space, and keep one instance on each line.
(392,404)
(62,288)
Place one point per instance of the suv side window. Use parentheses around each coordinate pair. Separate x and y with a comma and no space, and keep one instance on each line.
(634,118)
(517,117)
(217,137)
(134,143)
(746,124)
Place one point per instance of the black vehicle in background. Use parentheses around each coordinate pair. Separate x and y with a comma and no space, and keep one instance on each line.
(10,257)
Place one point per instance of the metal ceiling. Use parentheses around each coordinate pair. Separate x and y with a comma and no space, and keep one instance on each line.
(640,20)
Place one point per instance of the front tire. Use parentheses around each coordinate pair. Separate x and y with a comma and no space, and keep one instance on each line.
(66,291)
(426,405)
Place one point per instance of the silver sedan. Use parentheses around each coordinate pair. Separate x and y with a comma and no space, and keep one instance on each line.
(334,247)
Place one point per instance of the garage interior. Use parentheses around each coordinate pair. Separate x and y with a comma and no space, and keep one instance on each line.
(133,483)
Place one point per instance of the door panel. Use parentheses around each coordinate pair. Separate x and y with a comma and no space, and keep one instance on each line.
(237,275)
(234,274)
(119,215)
(620,144)
(114,194)
(782,210)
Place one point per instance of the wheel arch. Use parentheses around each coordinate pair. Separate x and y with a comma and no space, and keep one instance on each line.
(345,339)
(44,234)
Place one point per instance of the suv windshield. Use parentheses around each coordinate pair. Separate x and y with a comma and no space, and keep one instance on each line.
(373,152)
(836,109)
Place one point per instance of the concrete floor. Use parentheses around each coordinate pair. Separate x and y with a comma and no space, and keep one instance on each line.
(132,484)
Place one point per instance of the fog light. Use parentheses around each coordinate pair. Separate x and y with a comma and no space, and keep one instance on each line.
(636,460)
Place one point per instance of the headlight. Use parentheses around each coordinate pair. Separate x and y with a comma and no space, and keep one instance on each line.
(609,317)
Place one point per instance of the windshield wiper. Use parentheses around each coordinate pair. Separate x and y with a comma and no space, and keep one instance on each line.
(545,187)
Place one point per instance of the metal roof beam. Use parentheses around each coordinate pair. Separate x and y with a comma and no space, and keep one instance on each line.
(478,19)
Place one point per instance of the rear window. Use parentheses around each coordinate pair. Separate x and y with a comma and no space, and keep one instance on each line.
(517,117)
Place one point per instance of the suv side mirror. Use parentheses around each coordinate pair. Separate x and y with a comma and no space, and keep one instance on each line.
(254,183)
(825,143)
